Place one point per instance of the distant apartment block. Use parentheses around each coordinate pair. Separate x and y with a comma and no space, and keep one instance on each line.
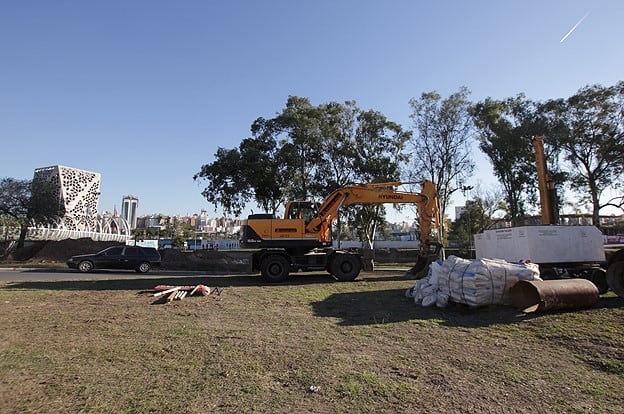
(129,206)
(459,210)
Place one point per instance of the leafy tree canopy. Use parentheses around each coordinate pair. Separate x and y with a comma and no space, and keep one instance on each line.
(305,151)
(29,203)
(590,131)
(505,132)
(441,145)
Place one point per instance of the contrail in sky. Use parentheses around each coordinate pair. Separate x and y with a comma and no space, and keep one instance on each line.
(573,28)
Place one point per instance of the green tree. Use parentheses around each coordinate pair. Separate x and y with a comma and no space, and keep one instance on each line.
(225,184)
(298,131)
(591,134)
(467,224)
(305,151)
(440,147)
(380,146)
(366,219)
(275,164)
(139,234)
(335,167)
(476,217)
(186,230)
(380,152)
(29,202)
(505,131)
(262,171)
(179,241)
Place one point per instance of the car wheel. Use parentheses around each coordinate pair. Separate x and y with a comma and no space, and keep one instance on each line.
(144,267)
(85,266)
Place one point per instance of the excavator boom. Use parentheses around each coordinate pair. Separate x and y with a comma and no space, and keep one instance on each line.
(378,193)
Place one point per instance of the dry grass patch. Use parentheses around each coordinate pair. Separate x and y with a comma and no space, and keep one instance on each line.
(311,345)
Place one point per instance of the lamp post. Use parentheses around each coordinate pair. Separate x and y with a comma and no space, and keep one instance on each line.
(466,190)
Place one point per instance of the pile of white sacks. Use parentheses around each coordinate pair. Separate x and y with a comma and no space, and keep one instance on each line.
(471,282)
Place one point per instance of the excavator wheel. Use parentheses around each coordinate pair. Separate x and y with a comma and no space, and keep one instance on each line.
(275,268)
(345,267)
(615,278)
(617,256)
(598,277)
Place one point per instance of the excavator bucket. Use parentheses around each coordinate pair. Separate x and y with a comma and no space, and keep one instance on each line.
(422,262)
(421,267)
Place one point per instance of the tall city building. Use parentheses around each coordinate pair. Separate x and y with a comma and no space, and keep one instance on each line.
(78,192)
(129,205)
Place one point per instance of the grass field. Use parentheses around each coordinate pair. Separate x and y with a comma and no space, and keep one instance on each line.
(310,345)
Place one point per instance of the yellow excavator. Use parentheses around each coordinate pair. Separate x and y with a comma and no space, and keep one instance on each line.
(302,239)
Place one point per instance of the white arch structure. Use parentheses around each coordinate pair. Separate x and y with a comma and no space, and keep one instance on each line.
(107,228)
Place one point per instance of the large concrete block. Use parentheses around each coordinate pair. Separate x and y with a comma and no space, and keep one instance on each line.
(542,244)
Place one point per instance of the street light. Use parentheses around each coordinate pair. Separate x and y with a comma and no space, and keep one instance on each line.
(465,189)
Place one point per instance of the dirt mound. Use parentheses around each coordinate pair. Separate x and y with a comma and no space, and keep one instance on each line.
(206,260)
(42,252)
(57,251)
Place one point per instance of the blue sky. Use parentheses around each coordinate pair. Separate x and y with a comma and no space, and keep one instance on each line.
(144,92)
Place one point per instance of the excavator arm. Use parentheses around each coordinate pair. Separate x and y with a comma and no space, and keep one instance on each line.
(378,193)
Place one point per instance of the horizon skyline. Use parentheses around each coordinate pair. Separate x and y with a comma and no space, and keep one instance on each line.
(401,218)
(146,92)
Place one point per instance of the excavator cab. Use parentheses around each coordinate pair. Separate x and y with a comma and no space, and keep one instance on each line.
(303,210)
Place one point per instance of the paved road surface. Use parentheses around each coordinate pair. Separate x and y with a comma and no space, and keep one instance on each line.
(24,275)
(61,274)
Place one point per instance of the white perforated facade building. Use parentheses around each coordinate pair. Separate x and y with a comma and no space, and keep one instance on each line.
(79,192)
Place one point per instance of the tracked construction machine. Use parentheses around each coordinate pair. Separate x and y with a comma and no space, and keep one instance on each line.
(302,240)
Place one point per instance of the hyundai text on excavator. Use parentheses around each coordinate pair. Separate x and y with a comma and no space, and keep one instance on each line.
(302,239)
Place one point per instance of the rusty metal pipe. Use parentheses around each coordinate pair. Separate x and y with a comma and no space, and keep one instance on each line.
(544,295)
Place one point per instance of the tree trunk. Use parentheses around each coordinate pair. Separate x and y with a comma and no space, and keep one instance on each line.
(370,235)
(596,213)
(22,236)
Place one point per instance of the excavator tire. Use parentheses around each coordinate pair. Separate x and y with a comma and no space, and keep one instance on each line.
(345,267)
(615,278)
(617,256)
(598,277)
(275,268)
